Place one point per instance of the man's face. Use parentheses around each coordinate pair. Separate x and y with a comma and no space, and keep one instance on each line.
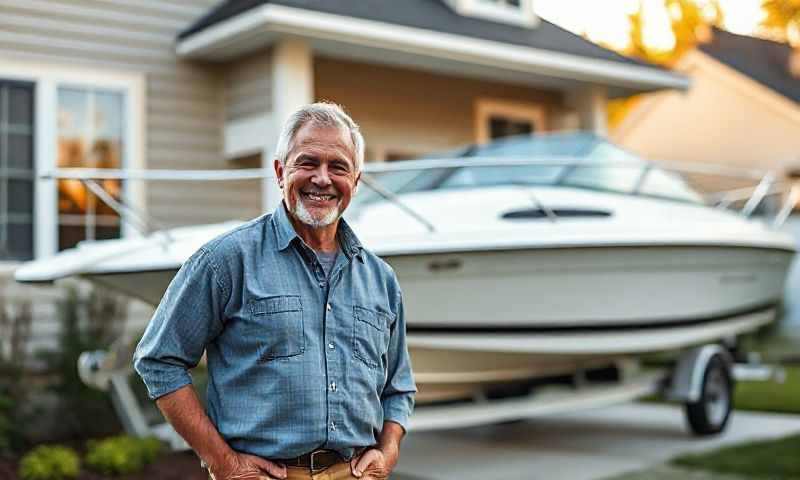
(319,177)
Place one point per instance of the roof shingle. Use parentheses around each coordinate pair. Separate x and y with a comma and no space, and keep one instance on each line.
(432,15)
(764,61)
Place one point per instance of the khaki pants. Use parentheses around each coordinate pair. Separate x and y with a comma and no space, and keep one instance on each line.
(339,471)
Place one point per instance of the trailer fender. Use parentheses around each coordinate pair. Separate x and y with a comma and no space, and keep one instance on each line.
(687,378)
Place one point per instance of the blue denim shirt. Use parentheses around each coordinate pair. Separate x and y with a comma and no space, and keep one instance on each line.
(297,360)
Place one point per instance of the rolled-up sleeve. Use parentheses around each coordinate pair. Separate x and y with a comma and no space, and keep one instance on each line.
(189,315)
(397,398)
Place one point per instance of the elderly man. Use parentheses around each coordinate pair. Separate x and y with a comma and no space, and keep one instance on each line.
(309,374)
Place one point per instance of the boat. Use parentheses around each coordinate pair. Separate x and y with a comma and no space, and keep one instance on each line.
(529,258)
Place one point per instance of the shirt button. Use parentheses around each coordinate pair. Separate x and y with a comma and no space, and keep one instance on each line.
(328,307)
(321,284)
(333,386)
(331,345)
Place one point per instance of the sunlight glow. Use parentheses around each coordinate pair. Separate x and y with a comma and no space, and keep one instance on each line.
(657,29)
(606,22)
(741,16)
(602,22)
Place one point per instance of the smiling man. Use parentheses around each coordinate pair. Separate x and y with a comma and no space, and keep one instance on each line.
(303,328)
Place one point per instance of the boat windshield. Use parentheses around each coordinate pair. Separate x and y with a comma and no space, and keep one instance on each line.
(577,160)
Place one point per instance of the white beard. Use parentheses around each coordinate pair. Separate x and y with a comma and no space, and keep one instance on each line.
(305,216)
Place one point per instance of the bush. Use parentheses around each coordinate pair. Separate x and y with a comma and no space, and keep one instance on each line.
(121,454)
(49,463)
(87,323)
(6,428)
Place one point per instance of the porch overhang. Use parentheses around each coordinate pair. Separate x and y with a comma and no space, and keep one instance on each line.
(423,49)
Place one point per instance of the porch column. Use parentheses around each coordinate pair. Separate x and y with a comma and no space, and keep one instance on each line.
(590,105)
(292,86)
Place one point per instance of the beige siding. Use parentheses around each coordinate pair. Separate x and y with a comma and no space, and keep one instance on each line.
(247,86)
(184,100)
(724,118)
(408,112)
(184,117)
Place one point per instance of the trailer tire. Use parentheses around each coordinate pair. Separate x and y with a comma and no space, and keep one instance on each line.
(710,413)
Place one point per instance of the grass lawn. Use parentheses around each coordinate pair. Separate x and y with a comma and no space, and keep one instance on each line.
(765,459)
(771,396)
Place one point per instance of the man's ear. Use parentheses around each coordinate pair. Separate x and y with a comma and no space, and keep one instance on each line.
(355,186)
(278,172)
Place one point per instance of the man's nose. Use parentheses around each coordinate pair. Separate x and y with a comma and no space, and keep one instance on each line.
(321,177)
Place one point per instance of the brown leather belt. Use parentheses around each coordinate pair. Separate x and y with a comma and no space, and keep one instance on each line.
(315,461)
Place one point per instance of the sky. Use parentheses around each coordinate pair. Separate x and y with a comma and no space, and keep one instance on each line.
(606,21)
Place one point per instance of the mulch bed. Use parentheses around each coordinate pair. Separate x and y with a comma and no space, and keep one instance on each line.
(169,466)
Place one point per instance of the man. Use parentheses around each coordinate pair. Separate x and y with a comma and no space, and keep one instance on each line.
(303,328)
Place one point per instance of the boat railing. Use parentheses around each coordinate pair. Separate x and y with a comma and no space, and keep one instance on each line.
(752,197)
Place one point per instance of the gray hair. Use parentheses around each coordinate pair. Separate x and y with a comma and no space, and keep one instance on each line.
(324,114)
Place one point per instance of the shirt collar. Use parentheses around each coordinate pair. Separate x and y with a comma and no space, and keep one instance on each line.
(285,233)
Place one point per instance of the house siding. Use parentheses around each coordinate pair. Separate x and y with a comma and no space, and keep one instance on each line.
(184,116)
(184,104)
(248,91)
(414,112)
(722,119)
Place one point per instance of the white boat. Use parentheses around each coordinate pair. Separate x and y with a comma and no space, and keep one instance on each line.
(525,259)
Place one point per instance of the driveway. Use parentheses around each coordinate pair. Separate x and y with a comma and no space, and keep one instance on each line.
(584,445)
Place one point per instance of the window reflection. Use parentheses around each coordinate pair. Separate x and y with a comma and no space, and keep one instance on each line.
(90,135)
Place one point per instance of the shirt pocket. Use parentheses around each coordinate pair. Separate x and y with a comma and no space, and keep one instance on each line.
(277,323)
(370,336)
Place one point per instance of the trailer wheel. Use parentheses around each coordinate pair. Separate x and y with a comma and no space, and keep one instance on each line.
(710,413)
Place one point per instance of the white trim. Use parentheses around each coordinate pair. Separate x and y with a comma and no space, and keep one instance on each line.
(590,104)
(245,136)
(46,202)
(487,107)
(48,77)
(295,21)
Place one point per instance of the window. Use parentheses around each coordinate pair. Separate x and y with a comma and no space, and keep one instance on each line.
(504,3)
(497,119)
(515,12)
(90,135)
(16,170)
(70,116)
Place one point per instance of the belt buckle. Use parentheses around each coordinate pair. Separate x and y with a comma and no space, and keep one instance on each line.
(311,465)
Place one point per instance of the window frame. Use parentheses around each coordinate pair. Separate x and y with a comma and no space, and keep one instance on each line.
(16,173)
(486,108)
(47,79)
(500,11)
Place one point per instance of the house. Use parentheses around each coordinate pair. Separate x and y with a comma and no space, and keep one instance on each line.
(203,84)
(743,109)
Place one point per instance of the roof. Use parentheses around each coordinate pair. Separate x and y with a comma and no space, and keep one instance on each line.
(432,15)
(764,61)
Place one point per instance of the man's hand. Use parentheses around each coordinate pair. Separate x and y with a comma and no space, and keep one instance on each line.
(375,463)
(242,466)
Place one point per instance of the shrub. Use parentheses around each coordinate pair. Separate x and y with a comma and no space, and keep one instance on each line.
(6,406)
(121,454)
(49,463)
(87,323)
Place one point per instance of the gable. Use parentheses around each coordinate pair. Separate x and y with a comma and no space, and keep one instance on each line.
(764,61)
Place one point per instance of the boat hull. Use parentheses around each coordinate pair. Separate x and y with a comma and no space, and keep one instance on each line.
(595,287)
(467,365)
(551,312)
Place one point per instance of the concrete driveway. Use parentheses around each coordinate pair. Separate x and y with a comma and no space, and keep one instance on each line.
(584,445)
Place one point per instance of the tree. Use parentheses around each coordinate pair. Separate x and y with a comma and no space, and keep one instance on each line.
(782,18)
(690,22)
